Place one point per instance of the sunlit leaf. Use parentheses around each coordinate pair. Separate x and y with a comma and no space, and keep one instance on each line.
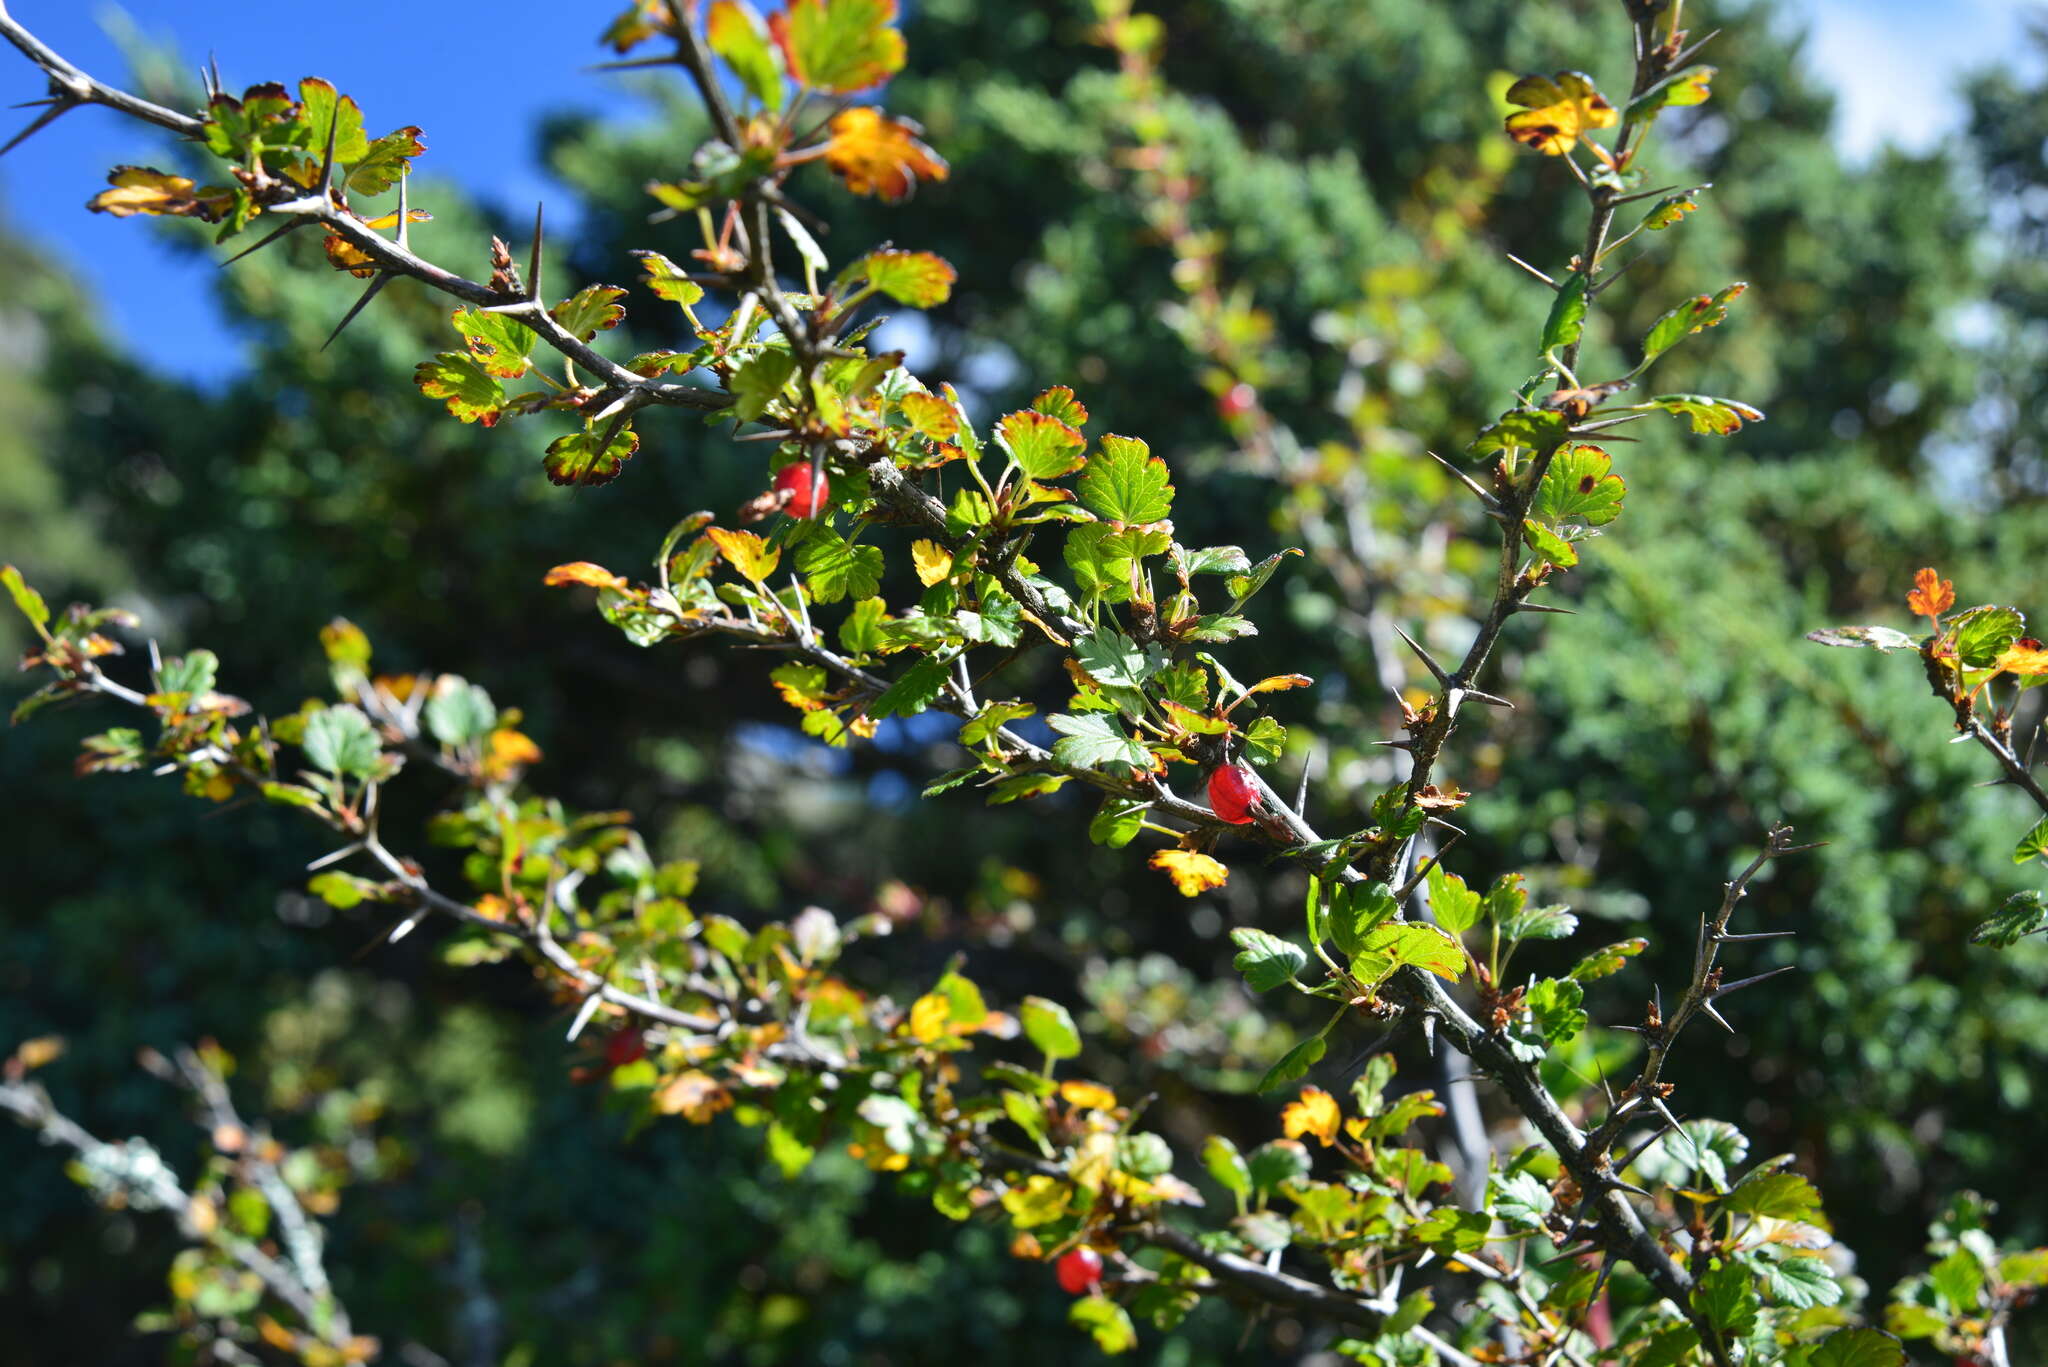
(839,46)
(875,154)
(1192,872)
(1557,111)
(735,31)
(586,458)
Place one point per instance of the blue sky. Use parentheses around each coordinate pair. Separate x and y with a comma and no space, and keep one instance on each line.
(1874,52)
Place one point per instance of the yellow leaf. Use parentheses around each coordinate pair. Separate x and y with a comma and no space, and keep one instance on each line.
(146,190)
(875,154)
(1087,1096)
(1191,872)
(747,553)
(931,416)
(202,1216)
(34,1053)
(929,1017)
(1280,682)
(1315,1114)
(1557,111)
(582,572)
(344,255)
(934,562)
(695,1096)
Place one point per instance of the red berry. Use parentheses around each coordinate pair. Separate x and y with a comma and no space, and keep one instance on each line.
(623,1047)
(1237,401)
(805,496)
(1231,794)
(1080,1270)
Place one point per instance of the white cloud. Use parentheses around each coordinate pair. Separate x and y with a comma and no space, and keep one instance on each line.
(1896,63)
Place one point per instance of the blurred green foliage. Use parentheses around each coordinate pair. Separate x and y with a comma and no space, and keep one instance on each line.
(1349,158)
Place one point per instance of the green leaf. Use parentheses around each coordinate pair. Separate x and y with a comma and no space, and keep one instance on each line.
(1049,1028)
(1670,210)
(1295,1063)
(991,719)
(460,713)
(1266,960)
(920,279)
(1107,1321)
(1958,1280)
(1455,906)
(915,690)
(1117,822)
(191,674)
(1536,429)
(1858,1348)
(385,161)
(2023,914)
(1701,311)
(760,382)
(1521,1200)
(1609,960)
(735,32)
(1567,314)
(1265,741)
(341,740)
(470,391)
(1124,482)
(1678,90)
(344,890)
(667,280)
(1094,740)
(589,311)
(1356,911)
(1548,544)
(1226,1165)
(2034,844)
(1578,488)
(1405,944)
(835,568)
(1710,416)
(1800,1282)
(25,598)
(1243,586)
(497,342)
(579,458)
(1043,446)
(1777,1195)
(1725,1297)
(840,46)
(1984,633)
(1554,1006)
(1114,660)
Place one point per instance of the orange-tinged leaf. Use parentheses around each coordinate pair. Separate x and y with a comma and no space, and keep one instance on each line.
(877,155)
(1931,595)
(583,572)
(146,190)
(344,255)
(746,552)
(929,1017)
(1280,682)
(390,220)
(839,46)
(1315,1114)
(2025,657)
(1191,872)
(695,1096)
(507,752)
(931,416)
(1557,111)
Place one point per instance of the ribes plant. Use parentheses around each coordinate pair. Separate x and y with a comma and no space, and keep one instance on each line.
(905,557)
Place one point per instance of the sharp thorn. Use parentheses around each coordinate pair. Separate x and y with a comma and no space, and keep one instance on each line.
(405,927)
(1621,1164)
(632,64)
(57,109)
(371,293)
(583,1015)
(1800,849)
(1657,995)
(1738,985)
(1642,1030)
(1665,1111)
(1476,696)
(404,223)
(1606,1266)
(327,157)
(1429,1031)
(1396,744)
(1645,194)
(1616,1184)
(1730,937)
(1545,607)
(1531,269)
(1434,668)
(1587,428)
(1714,1013)
(268,238)
(1479,491)
(533,263)
(1443,825)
